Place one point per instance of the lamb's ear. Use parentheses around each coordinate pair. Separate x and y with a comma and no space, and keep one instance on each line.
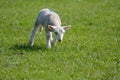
(51,28)
(67,27)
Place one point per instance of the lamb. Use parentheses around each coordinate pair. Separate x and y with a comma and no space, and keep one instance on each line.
(51,23)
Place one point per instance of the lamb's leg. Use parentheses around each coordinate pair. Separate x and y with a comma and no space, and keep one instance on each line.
(48,39)
(32,33)
(53,42)
(41,28)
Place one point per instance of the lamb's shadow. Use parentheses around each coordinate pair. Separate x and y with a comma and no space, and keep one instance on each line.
(27,47)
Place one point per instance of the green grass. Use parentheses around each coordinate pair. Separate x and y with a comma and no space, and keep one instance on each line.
(90,49)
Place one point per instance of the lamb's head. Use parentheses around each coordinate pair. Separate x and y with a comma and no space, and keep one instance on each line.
(58,31)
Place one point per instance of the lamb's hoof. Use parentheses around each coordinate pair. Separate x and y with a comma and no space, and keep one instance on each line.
(53,45)
(30,43)
(48,47)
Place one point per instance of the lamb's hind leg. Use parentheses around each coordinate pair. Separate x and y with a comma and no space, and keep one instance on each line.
(41,28)
(32,33)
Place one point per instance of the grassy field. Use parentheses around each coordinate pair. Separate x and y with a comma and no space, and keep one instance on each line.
(90,49)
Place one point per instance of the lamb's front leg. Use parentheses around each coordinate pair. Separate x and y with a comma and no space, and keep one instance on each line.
(53,42)
(48,39)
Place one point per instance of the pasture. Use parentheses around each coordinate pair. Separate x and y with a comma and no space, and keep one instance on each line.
(90,49)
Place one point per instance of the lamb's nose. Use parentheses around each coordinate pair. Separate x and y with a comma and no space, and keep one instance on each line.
(59,40)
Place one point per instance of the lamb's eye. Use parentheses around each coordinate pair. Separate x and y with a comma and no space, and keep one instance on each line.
(56,33)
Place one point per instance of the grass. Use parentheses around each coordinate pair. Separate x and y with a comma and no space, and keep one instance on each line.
(90,50)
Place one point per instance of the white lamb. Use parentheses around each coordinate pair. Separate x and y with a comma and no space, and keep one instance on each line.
(52,23)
